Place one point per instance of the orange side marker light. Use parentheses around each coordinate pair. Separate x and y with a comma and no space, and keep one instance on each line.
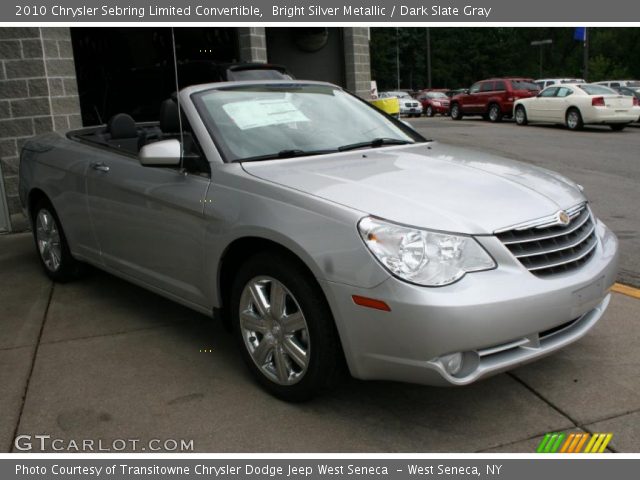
(371,303)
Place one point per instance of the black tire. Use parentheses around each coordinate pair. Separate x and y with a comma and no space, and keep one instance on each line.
(618,127)
(456,111)
(325,357)
(521,116)
(51,238)
(429,111)
(573,119)
(494,114)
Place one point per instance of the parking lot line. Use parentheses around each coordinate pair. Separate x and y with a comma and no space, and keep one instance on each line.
(626,290)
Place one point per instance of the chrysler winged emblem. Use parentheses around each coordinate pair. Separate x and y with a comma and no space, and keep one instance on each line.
(563,218)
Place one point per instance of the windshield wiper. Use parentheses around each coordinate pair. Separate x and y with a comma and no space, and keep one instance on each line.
(291,153)
(375,143)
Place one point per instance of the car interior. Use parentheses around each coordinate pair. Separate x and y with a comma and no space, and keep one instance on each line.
(123,134)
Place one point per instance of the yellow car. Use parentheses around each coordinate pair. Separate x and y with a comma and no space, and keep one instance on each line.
(390,106)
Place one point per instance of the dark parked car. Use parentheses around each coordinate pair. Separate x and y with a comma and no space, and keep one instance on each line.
(433,103)
(492,98)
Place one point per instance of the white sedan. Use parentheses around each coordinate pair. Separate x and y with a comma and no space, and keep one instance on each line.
(576,105)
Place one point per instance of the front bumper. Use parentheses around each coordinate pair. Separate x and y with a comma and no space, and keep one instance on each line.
(498,319)
(410,110)
(441,109)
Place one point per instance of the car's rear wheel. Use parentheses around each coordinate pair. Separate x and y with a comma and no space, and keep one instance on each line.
(456,112)
(284,327)
(429,111)
(52,246)
(521,115)
(494,113)
(573,119)
(618,127)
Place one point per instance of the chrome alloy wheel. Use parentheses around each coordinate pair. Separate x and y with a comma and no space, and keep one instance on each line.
(520,116)
(494,112)
(274,330)
(573,119)
(48,240)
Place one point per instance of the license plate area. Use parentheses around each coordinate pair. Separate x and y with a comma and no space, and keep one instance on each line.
(588,297)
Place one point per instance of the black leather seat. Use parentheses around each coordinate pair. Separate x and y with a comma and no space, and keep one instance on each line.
(169,118)
(123,133)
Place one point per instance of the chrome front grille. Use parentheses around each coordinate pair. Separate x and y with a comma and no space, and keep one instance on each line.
(547,248)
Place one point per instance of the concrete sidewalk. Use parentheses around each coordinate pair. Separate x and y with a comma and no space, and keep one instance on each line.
(103,359)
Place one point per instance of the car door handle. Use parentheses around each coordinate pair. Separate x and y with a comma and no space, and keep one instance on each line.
(100,166)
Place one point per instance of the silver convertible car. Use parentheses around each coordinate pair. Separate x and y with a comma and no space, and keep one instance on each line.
(323,233)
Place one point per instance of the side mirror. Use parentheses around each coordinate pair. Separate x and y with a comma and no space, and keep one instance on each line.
(164,152)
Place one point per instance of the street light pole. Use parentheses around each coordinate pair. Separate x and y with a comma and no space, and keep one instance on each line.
(428,57)
(541,43)
(397,58)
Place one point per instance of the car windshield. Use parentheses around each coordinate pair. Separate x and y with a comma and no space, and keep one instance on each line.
(399,94)
(597,90)
(633,84)
(436,95)
(255,122)
(523,85)
(257,74)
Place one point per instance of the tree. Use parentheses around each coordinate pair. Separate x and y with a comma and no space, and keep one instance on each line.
(462,55)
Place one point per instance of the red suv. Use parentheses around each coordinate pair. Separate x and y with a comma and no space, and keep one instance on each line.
(492,98)
(434,102)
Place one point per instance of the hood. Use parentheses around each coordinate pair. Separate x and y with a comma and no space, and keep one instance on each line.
(428,185)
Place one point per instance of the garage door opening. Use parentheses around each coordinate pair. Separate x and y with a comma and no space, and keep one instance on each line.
(131,70)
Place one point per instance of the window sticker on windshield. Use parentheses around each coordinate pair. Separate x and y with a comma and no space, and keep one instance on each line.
(262,113)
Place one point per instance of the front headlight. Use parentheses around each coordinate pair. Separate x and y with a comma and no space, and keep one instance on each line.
(419,256)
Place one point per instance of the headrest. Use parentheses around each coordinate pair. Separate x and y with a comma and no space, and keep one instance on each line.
(169,119)
(122,125)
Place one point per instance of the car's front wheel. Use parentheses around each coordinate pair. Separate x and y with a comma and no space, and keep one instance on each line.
(521,115)
(429,111)
(284,327)
(573,119)
(52,246)
(456,112)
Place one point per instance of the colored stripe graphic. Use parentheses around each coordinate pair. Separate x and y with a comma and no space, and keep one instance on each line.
(555,442)
(578,446)
(551,443)
(567,443)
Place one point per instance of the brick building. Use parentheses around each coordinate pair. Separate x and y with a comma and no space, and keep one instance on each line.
(55,79)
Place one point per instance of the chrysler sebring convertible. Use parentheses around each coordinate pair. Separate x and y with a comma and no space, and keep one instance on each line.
(325,233)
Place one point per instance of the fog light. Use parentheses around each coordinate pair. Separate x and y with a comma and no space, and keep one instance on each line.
(452,363)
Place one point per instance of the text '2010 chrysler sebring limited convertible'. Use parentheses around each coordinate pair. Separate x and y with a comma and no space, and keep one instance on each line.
(321,230)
